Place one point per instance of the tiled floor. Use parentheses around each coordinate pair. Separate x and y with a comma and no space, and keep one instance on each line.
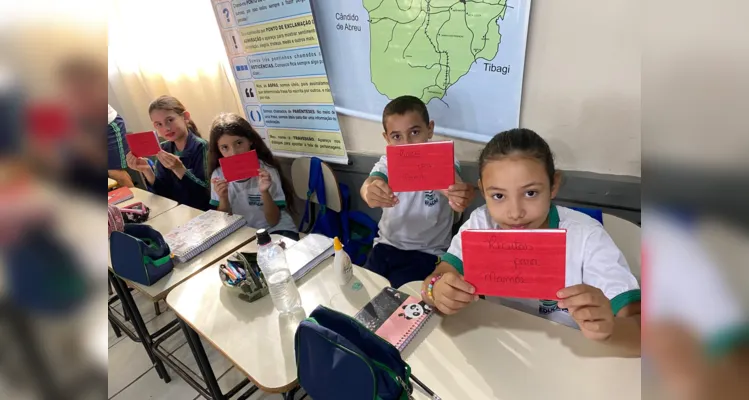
(131,375)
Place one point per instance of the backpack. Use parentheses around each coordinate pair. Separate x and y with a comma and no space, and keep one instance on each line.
(140,254)
(355,229)
(327,222)
(338,358)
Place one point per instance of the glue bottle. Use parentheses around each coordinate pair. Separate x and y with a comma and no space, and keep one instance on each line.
(341,263)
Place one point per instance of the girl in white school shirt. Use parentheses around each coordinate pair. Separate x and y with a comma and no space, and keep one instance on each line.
(261,200)
(518,181)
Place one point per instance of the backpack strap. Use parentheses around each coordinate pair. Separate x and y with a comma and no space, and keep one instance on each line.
(345,204)
(316,185)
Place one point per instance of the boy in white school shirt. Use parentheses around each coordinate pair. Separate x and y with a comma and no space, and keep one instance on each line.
(518,181)
(415,227)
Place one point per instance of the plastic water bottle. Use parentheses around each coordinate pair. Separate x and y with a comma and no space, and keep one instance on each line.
(272,261)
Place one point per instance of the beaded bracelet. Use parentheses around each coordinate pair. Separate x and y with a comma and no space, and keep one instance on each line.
(430,287)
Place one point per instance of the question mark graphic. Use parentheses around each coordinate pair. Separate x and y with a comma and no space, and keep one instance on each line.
(226,12)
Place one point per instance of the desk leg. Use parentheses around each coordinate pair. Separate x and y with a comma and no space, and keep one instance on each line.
(128,305)
(193,340)
(290,394)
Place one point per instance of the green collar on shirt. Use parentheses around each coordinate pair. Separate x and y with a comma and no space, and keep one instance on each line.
(553,217)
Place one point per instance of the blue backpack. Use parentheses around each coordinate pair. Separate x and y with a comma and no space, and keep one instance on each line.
(338,358)
(140,254)
(355,229)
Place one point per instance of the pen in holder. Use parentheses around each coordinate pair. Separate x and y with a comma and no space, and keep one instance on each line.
(242,276)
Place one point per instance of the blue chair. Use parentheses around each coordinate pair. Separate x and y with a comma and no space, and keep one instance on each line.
(591,212)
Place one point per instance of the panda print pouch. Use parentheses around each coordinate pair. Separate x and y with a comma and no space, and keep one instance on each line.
(394,316)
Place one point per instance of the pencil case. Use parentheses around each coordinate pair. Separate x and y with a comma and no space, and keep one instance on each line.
(241,275)
(140,254)
(135,213)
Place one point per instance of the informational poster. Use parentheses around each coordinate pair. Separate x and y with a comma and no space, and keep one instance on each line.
(280,75)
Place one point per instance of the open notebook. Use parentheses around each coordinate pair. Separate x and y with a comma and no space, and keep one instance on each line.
(308,253)
(395,316)
(200,233)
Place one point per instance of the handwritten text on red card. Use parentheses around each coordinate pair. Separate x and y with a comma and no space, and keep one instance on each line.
(419,167)
(240,167)
(529,264)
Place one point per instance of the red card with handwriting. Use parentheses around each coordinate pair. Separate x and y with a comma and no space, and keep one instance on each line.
(143,144)
(420,167)
(239,167)
(515,263)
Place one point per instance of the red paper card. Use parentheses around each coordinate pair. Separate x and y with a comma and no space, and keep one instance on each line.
(143,144)
(49,122)
(515,263)
(419,167)
(239,167)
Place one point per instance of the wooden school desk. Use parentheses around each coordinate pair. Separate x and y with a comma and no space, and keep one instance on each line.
(182,271)
(252,335)
(157,204)
(489,351)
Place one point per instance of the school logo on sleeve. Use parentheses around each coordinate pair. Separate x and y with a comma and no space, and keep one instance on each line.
(430,198)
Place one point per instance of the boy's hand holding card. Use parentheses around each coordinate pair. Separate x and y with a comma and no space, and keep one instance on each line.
(240,167)
(515,263)
(420,167)
(143,144)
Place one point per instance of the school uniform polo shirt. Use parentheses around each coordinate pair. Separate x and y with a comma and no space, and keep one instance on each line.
(246,200)
(421,221)
(592,258)
(192,189)
(117,147)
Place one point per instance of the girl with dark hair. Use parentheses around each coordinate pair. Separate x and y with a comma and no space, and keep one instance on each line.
(179,172)
(264,200)
(518,181)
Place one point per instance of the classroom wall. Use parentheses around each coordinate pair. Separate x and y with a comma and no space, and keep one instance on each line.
(581,92)
(581,88)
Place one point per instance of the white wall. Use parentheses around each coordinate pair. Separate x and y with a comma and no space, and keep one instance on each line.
(581,89)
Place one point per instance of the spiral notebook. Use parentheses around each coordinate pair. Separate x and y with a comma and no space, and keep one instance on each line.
(200,233)
(307,253)
(395,316)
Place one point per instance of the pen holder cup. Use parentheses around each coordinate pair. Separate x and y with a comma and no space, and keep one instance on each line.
(248,288)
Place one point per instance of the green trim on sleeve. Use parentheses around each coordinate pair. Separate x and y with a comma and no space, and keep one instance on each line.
(624,299)
(456,262)
(725,341)
(280,203)
(214,202)
(118,135)
(195,179)
(379,175)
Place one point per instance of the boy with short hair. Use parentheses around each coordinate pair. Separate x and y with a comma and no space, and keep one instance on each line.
(416,227)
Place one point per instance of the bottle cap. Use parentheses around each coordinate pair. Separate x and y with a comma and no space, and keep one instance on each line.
(263,237)
(337,244)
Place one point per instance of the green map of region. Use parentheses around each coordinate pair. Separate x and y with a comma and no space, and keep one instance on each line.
(422,47)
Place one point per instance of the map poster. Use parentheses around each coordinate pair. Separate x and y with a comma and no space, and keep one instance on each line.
(463,58)
(278,67)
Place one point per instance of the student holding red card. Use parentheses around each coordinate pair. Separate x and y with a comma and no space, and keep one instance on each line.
(261,200)
(180,166)
(518,181)
(415,227)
